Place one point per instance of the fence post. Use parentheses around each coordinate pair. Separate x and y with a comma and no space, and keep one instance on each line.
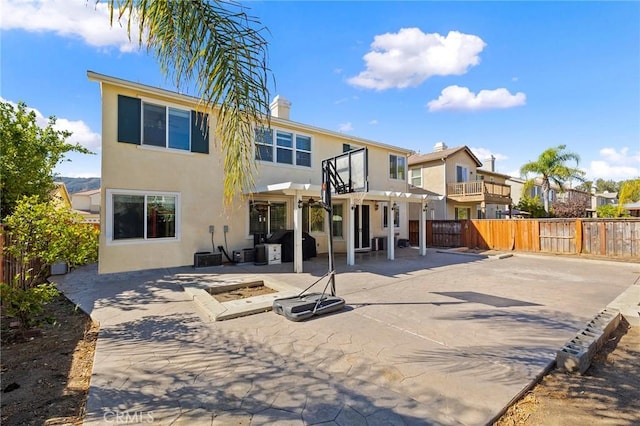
(578,237)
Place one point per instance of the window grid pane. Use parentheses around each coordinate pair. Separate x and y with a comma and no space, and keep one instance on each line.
(401,168)
(284,139)
(154,122)
(128,216)
(285,156)
(303,143)
(161,216)
(179,128)
(393,166)
(264,144)
(303,159)
(316,219)
(277,217)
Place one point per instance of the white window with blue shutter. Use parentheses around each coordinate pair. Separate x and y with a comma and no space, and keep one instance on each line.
(147,123)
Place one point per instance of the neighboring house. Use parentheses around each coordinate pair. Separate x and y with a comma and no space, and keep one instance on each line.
(87,203)
(60,196)
(517,189)
(633,209)
(555,194)
(468,191)
(601,199)
(162,186)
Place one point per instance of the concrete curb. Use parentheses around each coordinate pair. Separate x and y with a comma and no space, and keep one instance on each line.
(463,251)
(214,310)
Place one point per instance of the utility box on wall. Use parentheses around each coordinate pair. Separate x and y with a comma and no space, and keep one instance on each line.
(203,259)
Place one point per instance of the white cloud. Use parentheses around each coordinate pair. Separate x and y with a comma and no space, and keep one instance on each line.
(484,154)
(88,20)
(81,133)
(409,57)
(373,122)
(345,127)
(461,98)
(616,165)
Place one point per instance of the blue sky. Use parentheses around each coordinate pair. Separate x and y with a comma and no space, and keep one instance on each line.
(508,79)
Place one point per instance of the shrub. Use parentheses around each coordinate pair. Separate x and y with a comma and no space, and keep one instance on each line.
(40,234)
(25,305)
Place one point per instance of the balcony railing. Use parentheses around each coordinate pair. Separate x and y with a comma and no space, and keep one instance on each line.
(478,189)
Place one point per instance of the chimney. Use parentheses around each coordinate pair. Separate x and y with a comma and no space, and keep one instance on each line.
(492,163)
(280,107)
(439,146)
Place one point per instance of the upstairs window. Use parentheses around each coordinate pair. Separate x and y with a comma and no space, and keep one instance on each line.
(462,174)
(416,177)
(283,147)
(151,124)
(397,167)
(166,127)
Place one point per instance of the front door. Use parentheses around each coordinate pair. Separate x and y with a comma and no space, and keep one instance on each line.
(361,231)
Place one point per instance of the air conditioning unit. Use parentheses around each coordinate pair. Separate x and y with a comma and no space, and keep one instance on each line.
(203,259)
(246,255)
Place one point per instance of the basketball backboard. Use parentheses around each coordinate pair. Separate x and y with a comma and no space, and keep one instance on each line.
(351,168)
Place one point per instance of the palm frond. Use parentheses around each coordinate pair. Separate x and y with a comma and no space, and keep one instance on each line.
(219,48)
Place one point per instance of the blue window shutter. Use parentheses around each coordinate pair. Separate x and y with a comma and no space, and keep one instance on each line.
(129,119)
(199,141)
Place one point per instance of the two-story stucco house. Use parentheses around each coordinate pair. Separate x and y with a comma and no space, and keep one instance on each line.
(162,184)
(469,191)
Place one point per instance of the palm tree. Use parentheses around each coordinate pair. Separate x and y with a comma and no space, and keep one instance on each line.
(216,45)
(551,168)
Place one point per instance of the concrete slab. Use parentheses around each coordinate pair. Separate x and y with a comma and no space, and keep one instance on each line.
(436,339)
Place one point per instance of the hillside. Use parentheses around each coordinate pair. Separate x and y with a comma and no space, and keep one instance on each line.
(80,184)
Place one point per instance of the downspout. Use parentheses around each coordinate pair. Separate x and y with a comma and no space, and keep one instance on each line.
(444,189)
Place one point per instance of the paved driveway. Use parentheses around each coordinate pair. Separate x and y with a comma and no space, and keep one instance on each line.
(441,339)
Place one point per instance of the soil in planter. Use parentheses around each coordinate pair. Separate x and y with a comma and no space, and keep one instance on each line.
(242,293)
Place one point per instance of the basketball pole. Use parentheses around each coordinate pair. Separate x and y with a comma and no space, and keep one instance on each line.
(327,205)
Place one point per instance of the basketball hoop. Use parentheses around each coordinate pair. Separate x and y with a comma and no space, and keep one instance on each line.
(357,198)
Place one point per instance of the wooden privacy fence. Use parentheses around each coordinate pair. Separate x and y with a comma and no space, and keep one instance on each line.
(601,237)
(13,268)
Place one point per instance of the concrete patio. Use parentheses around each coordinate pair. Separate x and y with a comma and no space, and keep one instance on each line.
(440,339)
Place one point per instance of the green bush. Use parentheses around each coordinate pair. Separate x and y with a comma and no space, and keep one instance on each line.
(25,304)
(533,205)
(40,234)
(49,234)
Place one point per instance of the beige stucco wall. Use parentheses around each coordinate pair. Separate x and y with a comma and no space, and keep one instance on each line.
(197,179)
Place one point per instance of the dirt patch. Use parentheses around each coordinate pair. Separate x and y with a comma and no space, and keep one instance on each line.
(46,374)
(241,293)
(607,394)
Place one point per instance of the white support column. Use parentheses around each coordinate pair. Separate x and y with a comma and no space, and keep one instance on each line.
(351,251)
(423,229)
(297,233)
(391,230)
